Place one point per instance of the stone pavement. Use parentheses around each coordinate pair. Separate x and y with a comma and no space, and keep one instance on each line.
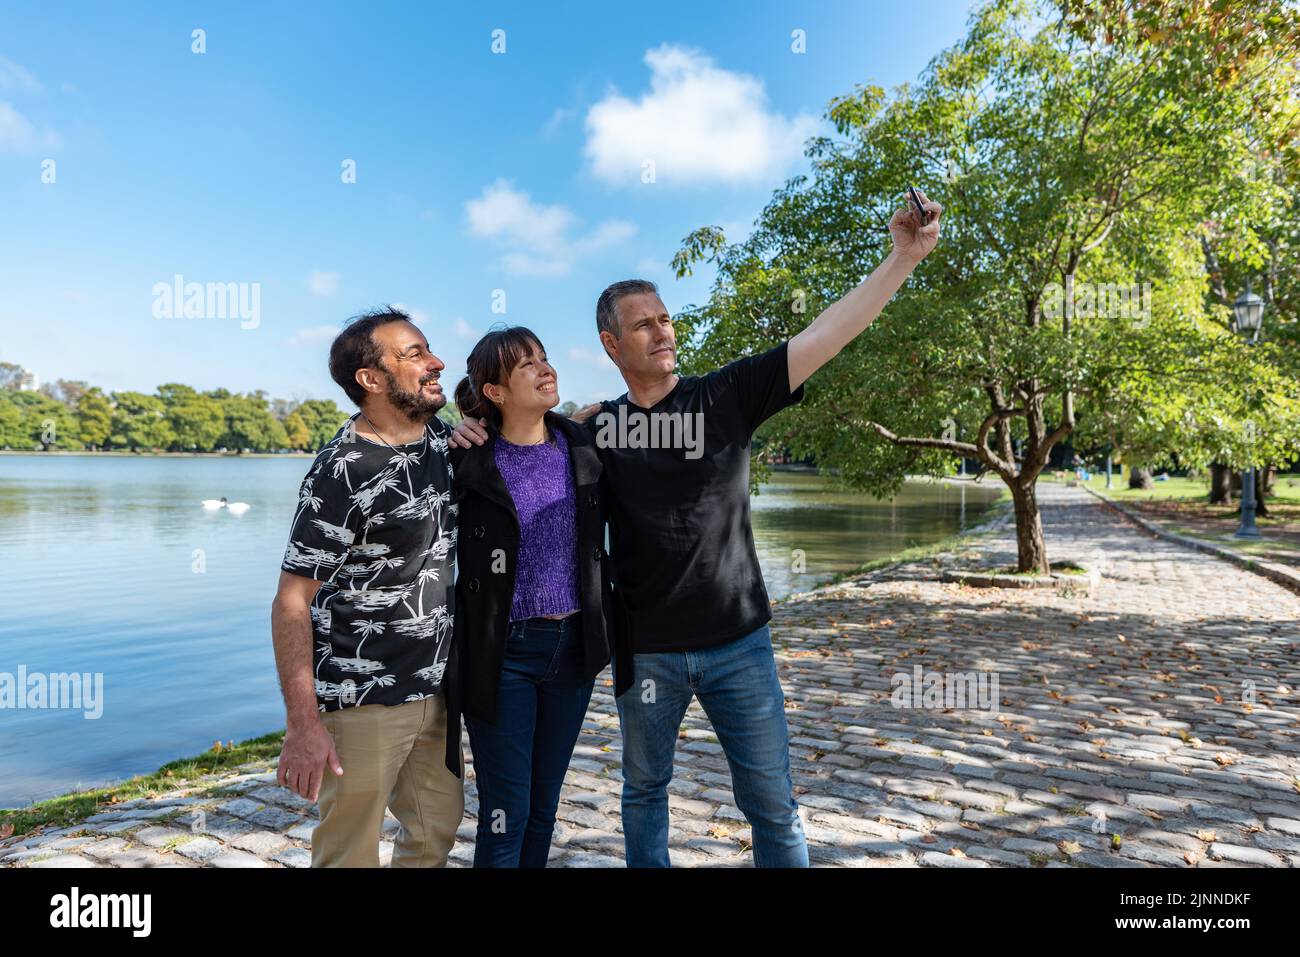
(1154,724)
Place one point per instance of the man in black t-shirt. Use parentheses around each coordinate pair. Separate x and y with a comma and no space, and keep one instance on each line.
(685,567)
(690,608)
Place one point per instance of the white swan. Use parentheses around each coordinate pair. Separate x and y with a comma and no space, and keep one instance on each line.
(235,508)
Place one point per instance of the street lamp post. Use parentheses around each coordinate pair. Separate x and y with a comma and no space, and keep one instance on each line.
(1248,312)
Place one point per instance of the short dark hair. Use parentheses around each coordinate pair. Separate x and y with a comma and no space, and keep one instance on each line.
(607,319)
(354,348)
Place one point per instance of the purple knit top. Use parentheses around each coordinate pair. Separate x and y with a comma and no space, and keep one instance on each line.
(541,484)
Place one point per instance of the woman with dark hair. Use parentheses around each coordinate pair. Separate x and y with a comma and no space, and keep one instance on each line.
(531,584)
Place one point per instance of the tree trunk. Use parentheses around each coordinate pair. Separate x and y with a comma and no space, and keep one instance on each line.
(1220,484)
(1262,481)
(1030,549)
(1265,478)
(1263,485)
(1140,478)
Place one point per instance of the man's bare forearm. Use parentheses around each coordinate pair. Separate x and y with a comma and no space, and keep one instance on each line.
(292,637)
(842,321)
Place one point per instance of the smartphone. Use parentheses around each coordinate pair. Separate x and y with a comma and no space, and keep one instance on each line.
(916,203)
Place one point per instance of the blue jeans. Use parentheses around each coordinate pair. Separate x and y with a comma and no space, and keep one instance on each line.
(739,691)
(520,761)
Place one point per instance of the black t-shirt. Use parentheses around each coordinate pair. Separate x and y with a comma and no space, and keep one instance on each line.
(376,524)
(682,551)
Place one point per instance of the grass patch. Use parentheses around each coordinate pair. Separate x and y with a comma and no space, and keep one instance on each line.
(1265,547)
(1286,488)
(1194,517)
(176,842)
(1063,568)
(69,808)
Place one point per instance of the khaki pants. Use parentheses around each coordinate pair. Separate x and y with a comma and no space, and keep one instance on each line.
(392,756)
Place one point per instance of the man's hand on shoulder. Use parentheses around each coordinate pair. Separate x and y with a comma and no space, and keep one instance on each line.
(585,413)
(468,433)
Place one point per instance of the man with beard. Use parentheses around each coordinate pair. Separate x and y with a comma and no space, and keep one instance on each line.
(362,619)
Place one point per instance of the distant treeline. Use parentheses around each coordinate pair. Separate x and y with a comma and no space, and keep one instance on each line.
(176,418)
(74,415)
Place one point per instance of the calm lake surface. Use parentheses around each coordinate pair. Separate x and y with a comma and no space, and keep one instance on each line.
(113,566)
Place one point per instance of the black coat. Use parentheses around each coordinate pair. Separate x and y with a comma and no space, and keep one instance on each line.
(486,521)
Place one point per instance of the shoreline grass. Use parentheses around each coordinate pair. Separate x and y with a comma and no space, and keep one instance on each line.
(67,809)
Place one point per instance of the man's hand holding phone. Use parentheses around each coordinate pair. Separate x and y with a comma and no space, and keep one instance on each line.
(915,228)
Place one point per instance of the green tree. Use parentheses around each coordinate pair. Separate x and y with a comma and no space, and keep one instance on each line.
(197,422)
(45,423)
(140,422)
(249,424)
(450,413)
(173,392)
(1062,161)
(94,419)
(323,419)
(11,421)
(296,429)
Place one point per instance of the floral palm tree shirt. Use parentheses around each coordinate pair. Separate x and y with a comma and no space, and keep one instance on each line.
(376,525)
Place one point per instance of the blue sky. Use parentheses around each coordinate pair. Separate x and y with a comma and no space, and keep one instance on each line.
(475,171)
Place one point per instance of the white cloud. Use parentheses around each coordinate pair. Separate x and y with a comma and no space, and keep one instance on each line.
(504,212)
(323,284)
(464,329)
(15,77)
(19,135)
(537,239)
(313,335)
(698,123)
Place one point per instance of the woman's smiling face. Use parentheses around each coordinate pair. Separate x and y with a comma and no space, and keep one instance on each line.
(533,385)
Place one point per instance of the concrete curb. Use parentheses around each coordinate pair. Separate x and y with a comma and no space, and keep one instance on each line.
(1281,574)
(1059,582)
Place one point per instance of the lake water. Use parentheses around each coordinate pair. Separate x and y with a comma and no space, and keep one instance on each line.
(112,566)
